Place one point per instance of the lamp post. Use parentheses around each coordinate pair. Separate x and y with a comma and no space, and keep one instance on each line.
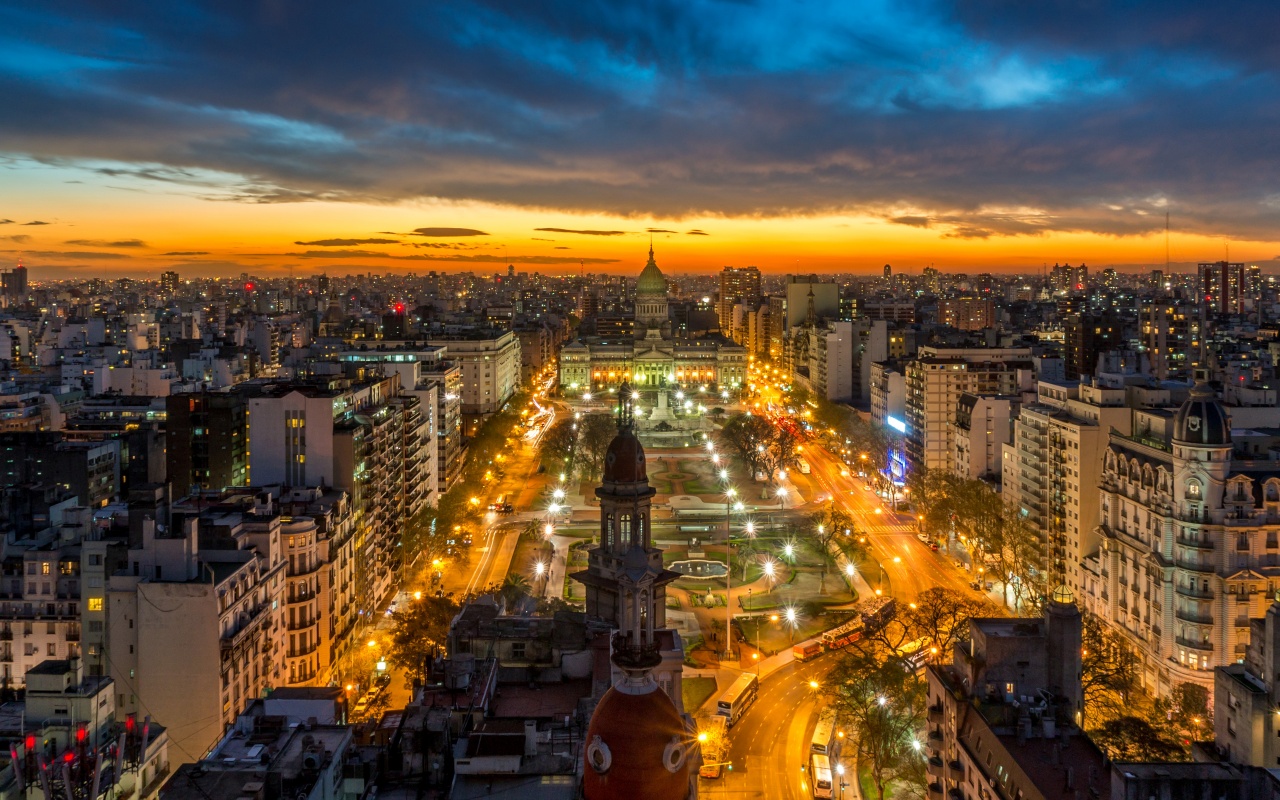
(729,494)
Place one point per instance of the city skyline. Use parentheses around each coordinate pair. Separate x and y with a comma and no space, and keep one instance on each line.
(978,138)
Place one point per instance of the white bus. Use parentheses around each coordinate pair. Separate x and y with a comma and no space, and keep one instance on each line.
(820,774)
(824,735)
(738,698)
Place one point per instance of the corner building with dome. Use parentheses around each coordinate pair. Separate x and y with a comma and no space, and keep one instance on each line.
(1189,539)
(653,357)
(640,743)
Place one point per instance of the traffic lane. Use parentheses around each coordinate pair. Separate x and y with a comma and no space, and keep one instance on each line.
(769,745)
(920,567)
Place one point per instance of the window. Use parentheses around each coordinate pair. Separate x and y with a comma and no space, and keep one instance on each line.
(95,603)
(44,567)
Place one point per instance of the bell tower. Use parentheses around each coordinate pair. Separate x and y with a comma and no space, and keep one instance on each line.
(625,580)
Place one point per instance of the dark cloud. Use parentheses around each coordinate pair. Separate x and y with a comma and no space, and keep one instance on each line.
(538,239)
(187,253)
(484,258)
(986,115)
(6,222)
(73,254)
(696,232)
(561,247)
(37,222)
(658,230)
(915,222)
(106,243)
(448,232)
(20,238)
(347,242)
(583,233)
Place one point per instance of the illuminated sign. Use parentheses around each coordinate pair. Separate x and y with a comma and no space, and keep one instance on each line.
(897,424)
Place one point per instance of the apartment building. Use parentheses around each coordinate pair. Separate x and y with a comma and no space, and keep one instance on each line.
(194,632)
(1190,529)
(1053,464)
(888,390)
(738,286)
(831,353)
(935,380)
(207,441)
(361,435)
(490,363)
(967,313)
(981,427)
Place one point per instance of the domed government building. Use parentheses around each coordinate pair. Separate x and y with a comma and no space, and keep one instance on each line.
(651,357)
(640,744)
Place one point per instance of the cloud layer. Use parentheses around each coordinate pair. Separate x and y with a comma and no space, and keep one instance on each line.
(976,119)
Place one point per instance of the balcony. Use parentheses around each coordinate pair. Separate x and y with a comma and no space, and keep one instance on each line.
(1198,618)
(955,770)
(934,767)
(1191,591)
(1193,565)
(1194,644)
(935,713)
(6,635)
(1199,544)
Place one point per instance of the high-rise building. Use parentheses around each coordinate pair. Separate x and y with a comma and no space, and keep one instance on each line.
(1171,335)
(1086,336)
(14,282)
(490,362)
(1051,469)
(888,271)
(1221,287)
(206,441)
(738,285)
(967,313)
(169,282)
(1064,278)
(936,379)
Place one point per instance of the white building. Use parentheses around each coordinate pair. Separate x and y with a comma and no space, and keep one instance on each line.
(1052,467)
(1190,528)
(490,363)
(982,425)
(937,377)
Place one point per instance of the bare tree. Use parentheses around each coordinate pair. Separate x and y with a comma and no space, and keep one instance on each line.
(595,432)
(1109,671)
(557,446)
(748,437)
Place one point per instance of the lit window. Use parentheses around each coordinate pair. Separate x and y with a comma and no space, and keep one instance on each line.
(95,603)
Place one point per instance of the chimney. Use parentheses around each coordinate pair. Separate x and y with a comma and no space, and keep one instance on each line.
(530,738)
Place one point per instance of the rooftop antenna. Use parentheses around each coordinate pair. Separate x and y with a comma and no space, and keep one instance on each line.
(1166,242)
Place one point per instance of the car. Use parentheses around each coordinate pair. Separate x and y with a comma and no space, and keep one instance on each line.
(391,609)
(933,546)
(362,705)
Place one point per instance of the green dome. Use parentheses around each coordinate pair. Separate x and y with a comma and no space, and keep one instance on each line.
(651,280)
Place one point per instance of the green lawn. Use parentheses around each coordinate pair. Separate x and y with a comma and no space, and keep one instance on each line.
(696,691)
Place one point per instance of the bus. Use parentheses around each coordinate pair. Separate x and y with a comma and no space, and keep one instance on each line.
(824,735)
(714,748)
(914,653)
(820,774)
(806,651)
(877,612)
(738,698)
(844,635)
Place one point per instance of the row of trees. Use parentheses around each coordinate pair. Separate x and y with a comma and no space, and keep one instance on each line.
(880,700)
(1004,542)
(764,448)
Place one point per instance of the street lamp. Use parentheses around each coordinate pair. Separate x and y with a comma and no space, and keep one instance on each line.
(729,494)
(769,572)
(538,569)
(793,619)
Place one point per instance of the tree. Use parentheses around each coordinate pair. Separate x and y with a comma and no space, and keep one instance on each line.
(1187,707)
(595,433)
(1109,672)
(748,437)
(1024,554)
(557,446)
(514,587)
(941,617)
(782,453)
(881,704)
(827,530)
(1130,738)
(419,630)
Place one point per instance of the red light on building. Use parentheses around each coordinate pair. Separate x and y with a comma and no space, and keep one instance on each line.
(81,734)
(69,757)
(129,723)
(399,308)
(250,286)
(31,743)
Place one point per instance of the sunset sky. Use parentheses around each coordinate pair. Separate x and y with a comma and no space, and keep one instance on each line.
(223,137)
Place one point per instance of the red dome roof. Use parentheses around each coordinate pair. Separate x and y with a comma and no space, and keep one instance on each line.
(624,461)
(640,739)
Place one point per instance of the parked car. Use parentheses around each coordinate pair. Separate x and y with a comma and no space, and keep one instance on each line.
(933,546)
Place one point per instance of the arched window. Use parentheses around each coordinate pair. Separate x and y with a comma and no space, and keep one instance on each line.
(1193,490)
(608,531)
(624,529)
